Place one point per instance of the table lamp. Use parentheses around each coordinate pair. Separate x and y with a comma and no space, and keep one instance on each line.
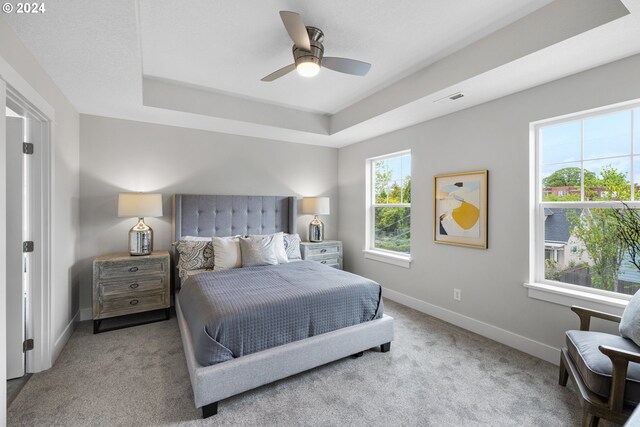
(140,205)
(316,206)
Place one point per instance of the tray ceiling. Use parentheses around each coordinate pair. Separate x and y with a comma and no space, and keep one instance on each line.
(198,64)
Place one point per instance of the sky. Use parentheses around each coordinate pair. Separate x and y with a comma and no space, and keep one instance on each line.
(400,167)
(607,141)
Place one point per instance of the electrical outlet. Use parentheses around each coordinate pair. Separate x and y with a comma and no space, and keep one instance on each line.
(457,294)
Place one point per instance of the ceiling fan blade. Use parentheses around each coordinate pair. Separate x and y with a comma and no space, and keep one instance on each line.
(277,74)
(345,65)
(296,29)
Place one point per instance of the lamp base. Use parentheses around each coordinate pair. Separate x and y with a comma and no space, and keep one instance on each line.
(140,239)
(316,230)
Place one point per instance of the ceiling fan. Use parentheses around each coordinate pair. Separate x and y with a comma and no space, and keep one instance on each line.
(308,52)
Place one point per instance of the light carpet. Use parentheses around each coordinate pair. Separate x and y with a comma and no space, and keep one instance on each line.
(435,375)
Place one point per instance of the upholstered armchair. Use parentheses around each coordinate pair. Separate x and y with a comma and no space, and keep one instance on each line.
(605,368)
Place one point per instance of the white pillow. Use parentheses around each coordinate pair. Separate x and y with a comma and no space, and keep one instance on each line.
(278,248)
(258,250)
(195,238)
(226,253)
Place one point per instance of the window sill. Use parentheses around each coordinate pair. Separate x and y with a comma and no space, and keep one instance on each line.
(569,297)
(389,258)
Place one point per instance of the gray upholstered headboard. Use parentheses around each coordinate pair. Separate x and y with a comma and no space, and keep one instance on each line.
(210,215)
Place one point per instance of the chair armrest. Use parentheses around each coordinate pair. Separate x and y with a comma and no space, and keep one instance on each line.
(627,356)
(585,315)
(620,363)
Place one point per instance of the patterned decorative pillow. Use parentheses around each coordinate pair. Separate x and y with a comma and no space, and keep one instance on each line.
(195,255)
(258,250)
(292,246)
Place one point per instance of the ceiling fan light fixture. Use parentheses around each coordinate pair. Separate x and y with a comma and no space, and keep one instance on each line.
(307,68)
(308,52)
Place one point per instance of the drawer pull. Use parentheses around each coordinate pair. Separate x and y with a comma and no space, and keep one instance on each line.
(133,269)
(134,285)
(323,251)
(323,262)
(133,302)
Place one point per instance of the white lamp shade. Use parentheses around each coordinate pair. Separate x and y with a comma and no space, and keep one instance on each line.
(139,205)
(315,205)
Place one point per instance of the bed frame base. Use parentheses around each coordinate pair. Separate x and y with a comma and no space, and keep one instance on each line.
(214,383)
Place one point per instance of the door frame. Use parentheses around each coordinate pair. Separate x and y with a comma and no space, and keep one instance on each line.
(38,315)
(14,87)
(3,260)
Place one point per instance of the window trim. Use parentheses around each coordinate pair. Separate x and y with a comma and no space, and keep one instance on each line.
(549,290)
(370,251)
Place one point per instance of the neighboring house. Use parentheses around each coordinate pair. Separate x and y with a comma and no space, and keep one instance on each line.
(564,191)
(564,248)
(559,244)
(561,191)
(628,271)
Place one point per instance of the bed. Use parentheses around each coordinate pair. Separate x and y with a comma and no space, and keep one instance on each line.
(211,215)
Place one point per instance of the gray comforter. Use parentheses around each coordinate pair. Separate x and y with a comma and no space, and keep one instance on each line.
(242,311)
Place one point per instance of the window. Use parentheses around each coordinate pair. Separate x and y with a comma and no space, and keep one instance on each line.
(389,204)
(587,200)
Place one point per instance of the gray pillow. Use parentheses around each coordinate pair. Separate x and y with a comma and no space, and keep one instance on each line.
(292,246)
(258,250)
(630,323)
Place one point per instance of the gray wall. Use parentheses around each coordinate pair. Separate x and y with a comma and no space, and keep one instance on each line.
(120,155)
(493,136)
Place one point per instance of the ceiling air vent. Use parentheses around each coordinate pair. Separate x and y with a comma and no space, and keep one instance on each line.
(451,97)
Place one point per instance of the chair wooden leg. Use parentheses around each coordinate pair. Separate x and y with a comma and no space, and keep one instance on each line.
(564,375)
(589,420)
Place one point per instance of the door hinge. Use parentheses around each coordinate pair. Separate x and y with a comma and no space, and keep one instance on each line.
(27,148)
(27,345)
(27,246)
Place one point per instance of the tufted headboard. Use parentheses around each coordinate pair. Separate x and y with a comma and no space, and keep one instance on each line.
(210,215)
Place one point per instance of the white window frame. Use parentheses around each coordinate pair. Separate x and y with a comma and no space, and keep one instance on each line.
(370,251)
(550,290)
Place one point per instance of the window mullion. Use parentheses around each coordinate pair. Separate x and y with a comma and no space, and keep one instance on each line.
(632,178)
(582,160)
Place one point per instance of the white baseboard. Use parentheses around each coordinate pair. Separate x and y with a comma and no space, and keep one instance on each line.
(61,341)
(86,314)
(524,344)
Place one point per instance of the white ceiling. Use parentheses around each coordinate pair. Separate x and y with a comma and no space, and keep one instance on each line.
(229,46)
(198,64)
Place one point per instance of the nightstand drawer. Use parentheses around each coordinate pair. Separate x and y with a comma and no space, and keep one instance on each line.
(131,268)
(332,261)
(328,252)
(140,285)
(136,304)
(323,250)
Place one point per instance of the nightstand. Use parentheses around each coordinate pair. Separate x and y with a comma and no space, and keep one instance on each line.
(125,284)
(328,252)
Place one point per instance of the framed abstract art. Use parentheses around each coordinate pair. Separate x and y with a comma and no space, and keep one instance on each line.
(460,209)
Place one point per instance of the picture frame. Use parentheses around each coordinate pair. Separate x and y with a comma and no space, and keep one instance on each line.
(461,209)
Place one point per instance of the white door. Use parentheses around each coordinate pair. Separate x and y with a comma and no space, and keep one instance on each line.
(16,262)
